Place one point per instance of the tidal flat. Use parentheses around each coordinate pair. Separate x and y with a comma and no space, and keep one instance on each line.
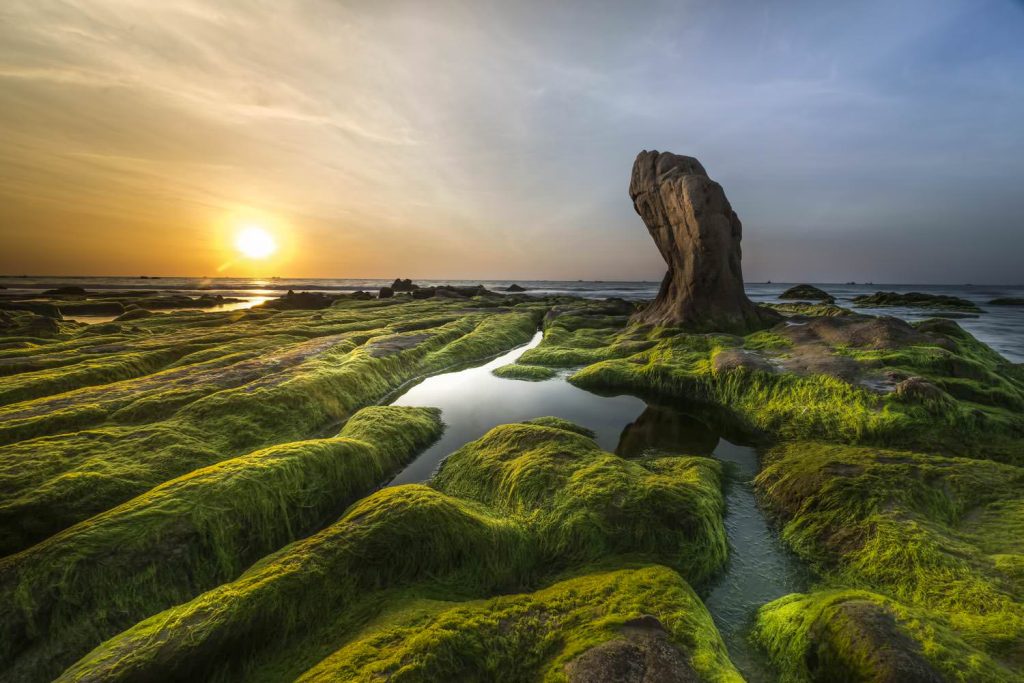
(203,495)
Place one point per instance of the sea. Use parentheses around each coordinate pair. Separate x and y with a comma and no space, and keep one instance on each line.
(1001,327)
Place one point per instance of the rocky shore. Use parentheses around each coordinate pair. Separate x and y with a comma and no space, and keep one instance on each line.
(196,495)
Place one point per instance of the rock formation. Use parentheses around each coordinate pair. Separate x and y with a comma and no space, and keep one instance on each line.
(698,235)
(808,293)
(406,285)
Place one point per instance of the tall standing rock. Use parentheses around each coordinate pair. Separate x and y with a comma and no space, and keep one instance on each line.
(698,235)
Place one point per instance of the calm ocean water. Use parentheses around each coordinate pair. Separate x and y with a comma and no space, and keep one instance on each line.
(1001,327)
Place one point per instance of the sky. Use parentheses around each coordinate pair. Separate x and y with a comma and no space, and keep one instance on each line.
(866,141)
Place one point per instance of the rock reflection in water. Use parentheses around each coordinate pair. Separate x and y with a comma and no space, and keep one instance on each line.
(760,569)
(660,428)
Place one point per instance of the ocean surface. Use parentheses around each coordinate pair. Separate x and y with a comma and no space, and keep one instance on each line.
(1001,327)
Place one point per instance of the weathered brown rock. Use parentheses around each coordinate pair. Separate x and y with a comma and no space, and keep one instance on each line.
(862,641)
(698,235)
(643,654)
(919,390)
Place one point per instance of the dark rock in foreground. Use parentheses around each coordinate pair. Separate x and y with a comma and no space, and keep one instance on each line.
(1007,301)
(698,235)
(915,300)
(808,293)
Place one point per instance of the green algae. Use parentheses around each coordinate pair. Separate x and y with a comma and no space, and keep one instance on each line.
(75,454)
(469,536)
(937,537)
(916,300)
(857,635)
(560,423)
(585,503)
(529,373)
(532,546)
(83,585)
(758,395)
(775,404)
(585,332)
(529,636)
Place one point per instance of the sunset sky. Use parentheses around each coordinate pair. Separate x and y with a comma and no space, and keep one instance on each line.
(860,141)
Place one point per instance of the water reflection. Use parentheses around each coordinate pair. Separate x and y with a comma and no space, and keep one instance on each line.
(246,302)
(661,428)
(760,569)
(473,401)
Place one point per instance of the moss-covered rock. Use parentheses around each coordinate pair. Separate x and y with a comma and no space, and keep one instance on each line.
(106,417)
(938,537)
(555,505)
(916,300)
(828,377)
(77,588)
(807,293)
(529,373)
(592,628)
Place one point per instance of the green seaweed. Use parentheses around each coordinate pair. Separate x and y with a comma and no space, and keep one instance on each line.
(467,538)
(939,537)
(73,455)
(530,373)
(529,636)
(986,393)
(83,585)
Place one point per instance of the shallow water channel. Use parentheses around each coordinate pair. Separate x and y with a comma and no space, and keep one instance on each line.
(760,569)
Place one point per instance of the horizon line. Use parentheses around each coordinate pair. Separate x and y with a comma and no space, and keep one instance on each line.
(493,279)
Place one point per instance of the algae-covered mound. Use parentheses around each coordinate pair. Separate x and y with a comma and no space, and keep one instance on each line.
(62,596)
(908,502)
(849,378)
(930,548)
(916,300)
(89,421)
(529,373)
(395,586)
(807,293)
(592,628)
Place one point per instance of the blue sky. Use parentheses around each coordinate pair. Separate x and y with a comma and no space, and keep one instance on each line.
(877,141)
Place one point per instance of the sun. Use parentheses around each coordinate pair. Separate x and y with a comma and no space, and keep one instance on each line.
(255,242)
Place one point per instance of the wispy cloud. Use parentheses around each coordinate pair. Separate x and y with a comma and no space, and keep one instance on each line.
(482,138)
